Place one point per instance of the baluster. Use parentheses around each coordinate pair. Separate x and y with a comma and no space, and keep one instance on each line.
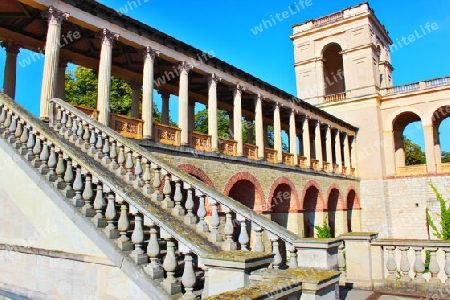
(106,159)
(80,132)
(229,244)
(190,218)
(206,283)
(259,245)
(188,279)
(123,224)
(63,128)
(129,166)
(68,179)
(277,260)
(31,143)
(419,267)
(6,125)
(434,267)
(202,226)
(43,157)
(138,182)
(77,200)
(137,237)
(36,162)
(86,137)
(156,196)
(88,193)
(447,264)
(391,265)
(23,141)
(341,259)
(171,284)
(74,136)
(121,161)
(58,118)
(243,235)
(178,210)
(147,189)
(17,134)
(99,145)
(293,263)
(60,169)
(153,269)
(2,119)
(113,155)
(92,141)
(404,264)
(167,203)
(69,126)
(12,130)
(52,161)
(99,203)
(215,235)
(111,230)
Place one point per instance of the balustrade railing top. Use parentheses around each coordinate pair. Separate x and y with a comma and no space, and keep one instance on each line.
(416,86)
(200,186)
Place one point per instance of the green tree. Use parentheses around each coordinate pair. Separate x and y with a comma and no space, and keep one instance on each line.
(413,153)
(445,157)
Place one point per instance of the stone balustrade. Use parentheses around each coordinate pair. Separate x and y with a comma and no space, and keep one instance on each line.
(126,126)
(315,165)
(328,19)
(302,161)
(326,166)
(200,141)
(166,134)
(416,86)
(411,170)
(270,155)
(335,97)
(288,159)
(443,168)
(228,147)
(92,112)
(251,151)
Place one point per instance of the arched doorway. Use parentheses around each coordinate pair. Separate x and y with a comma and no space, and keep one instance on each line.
(313,210)
(332,206)
(333,69)
(353,212)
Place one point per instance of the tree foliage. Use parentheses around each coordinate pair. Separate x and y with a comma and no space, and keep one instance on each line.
(444,232)
(323,231)
(413,153)
(445,157)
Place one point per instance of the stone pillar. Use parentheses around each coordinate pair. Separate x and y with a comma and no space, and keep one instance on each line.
(149,54)
(135,98)
(293,137)
(338,150)
(346,154)
(329,147)
(429,148)
(191,115)
(52,46)
(237,118)
(259,129)
(165,97)
(306,141)
(104,75)
(213,80)
(61,81)
(318,145)
(437,144)
(352,141)
(183,102)
(9,81)
(399,148)
(389,152)
(277,143)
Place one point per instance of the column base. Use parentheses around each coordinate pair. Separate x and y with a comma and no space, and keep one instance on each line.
(111,233)
(154,272)
(77,201)
(88,211)
(68,192)
(100,222)
(157,196)
(124,245)
(190,220)
(139,258)
(167,204)
(172,287)
(215,237)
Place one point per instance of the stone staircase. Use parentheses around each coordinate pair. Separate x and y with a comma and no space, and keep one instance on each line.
(147,216)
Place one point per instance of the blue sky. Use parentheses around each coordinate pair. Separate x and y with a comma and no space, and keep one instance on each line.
(225,27)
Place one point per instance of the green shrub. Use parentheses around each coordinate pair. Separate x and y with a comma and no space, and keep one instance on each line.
(323,231)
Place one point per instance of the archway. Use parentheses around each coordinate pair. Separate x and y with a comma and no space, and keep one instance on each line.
(333,69)
(353,211)
(312,206)
(333,199)
(441,143)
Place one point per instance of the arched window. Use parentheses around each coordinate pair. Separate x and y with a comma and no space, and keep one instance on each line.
(333,69)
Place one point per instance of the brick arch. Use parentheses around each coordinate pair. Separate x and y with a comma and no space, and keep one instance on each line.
(249,177)
(320,203)
(294,202)
(357,202)
(340,204)
(196,172)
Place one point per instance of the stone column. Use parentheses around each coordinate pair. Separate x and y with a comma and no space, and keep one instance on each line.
(9,81)
(293,137)
(191,115)
(318,145)
(346,154)
(338,150)
(429,148)
(52,46)
(183,102)
(437,144)
(104,75)
(237,118)
(277,143)
(149,54)
(165,97)
(213,80)
(135,98)
(259,130)
(389,152)
(329,150)
(61,81)
(352,146)
(306,141)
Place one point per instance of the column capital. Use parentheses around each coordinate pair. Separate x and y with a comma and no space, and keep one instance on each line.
(54,15)
(107,36)
(239,88)
(149,53)
(11,47)
(276,105)
(164,94)
(259,97)
(185,66)
(214,79)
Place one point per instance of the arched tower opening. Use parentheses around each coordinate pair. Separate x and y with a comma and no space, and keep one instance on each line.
(333,69)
